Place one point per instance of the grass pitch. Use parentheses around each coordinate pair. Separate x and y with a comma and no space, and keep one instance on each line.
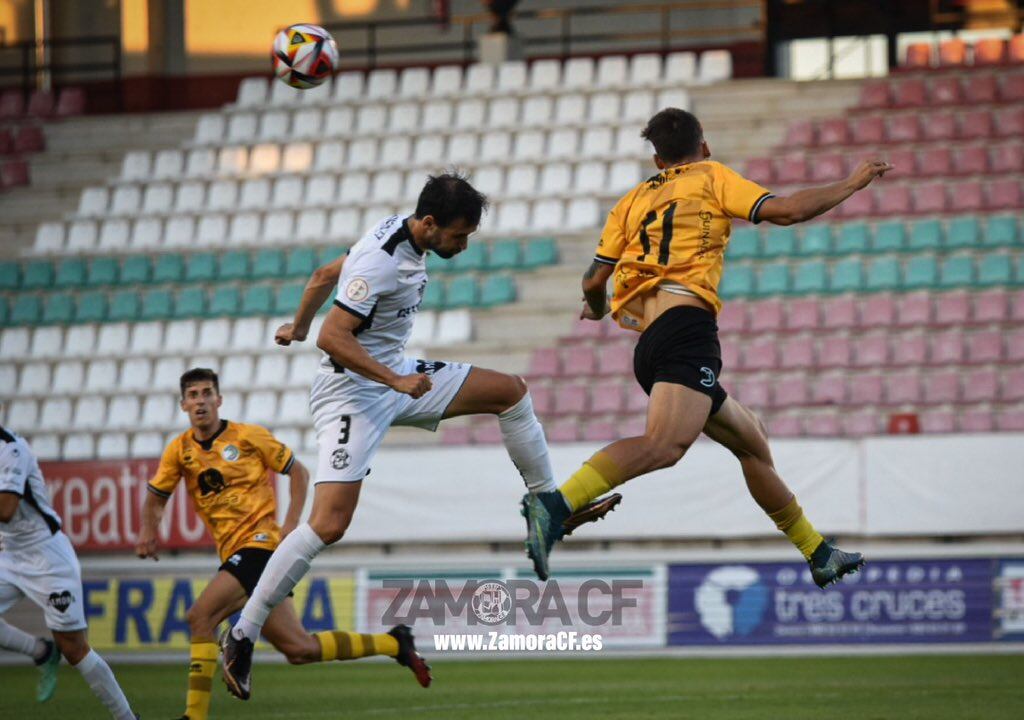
(862,688)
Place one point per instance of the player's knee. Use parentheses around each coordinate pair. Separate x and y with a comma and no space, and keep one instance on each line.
(665,454)
(514,390)
(199,623)
(330,529)
(73,646)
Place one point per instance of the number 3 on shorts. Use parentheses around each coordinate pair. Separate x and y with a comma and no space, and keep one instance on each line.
(346,425)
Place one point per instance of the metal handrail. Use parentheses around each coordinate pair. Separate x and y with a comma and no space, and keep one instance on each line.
(29,67)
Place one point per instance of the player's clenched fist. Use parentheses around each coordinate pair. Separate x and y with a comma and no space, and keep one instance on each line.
(415,385)
(287,334)
(867,171)
(146,546)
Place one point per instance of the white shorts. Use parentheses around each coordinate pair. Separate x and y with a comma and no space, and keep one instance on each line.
(48,574)
(352,416)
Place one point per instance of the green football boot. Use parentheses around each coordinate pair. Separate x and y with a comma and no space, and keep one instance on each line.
(47,684)
(545,514)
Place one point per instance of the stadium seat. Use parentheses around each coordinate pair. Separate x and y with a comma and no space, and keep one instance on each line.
(956,271)
(156,305)
(925,235)
(773,279)
(135,374)
(124,306)
(58,308)
(878,310)
(994,270)
(540,252)
(914,309)
(868,130)
(225,301)
(766,316)
(854,238)
(779,242)
(26,310)
(921,272)
(738,281)
(268,264)
(810,277)
(847,276)
(91,307)
(1003,195)
(190,302)
(504,255)
(745,242)
(168,269)
(147,338)
(70,273)
(910,350)
(1000,231)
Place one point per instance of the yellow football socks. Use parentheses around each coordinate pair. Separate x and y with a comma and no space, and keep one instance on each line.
(338,645)
(798,528)
(201,668)
(598,475)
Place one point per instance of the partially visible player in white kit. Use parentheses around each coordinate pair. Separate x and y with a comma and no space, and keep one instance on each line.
(38,562)
(366,384)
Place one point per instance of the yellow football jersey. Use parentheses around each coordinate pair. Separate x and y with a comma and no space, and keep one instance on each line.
(227,479)
(674,227)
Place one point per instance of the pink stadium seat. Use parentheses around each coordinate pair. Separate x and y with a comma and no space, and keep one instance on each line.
(871,351)
(989,307)
(893,200)
(564,430)
(14,173)
(982,88)
(731,356)
(1007,158)
(991,51)
(733,318)
(919,56)
(1013,385)
(877,311)
(790,391)
(981,385)
(869,130)
(791,169)
(1015,346)
(70,102)
(947,348)
(967,197)
(1003,195)
(766,316)
(939,126)
(607,399)
(865,390)
(903,387)
(839,312)
(857,205)
(945,91)
(12,105)
(874,95)
(911,92)
(1017,306)
(976,125)
(985,346)
(456,435)
(797,353)
(486,432)
(829,390)
(971,160)
(761,354)
(832,132)
(29,139)
(579,360)
(952,53)
(800,134)
(942,387)
(823,424)
(802,314)
(1011,89)
(828,168)
(753,392)
(938,421)
(1010,419)
(978,419)
(543,399)
(544,363)
(1015,51)
(589,329)
(910,349)
(903,129)
(570,399)
(952,308)
(601,431)
(6,142)
(914,310)
(935,161)
(861,424)
(903,160)
(759,170)
(784,425)
(930,199)
(616,359)
(40,104)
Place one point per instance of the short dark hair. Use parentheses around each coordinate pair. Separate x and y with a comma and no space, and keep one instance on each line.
(675,134)
(449,197)
(196,375)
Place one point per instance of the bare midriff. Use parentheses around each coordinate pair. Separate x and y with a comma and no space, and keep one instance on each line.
(653,305)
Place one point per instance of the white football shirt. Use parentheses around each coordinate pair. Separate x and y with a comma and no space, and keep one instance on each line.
(35,519)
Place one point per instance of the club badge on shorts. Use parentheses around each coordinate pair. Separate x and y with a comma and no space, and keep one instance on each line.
(707,377)
(339,459)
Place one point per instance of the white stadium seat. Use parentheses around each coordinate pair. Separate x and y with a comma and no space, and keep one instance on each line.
(479,79)
(414,82)
(14,343)
(264,159)
(255,194)
(158,199)
(236,372)
(252,92)
(604,108)
(49,238)
(512,76)
(612,71)
(93,202)
(147,338)
(294,408)
(309,440)
(545,74)
(146,445)
(81,236)
(537,111)
(496,146)
(715,65)
(46,446)
(211,230)
(454,326)
(250,334)
(629,143)
(644,69)
(547,214)
(190,196)
(489,179)
(242,127)
(680,68)
(180,336)
(396,150)
(282,95)
(148,233)
(345,224)
(113,339)
(169,164)
(167,373)
(354,188)
(579,73)
(447,81)
(112,446)
(503,112)
(590,177)
(624,175)
(212,333)
(47,341)
(597,142)
(521,181)
(232,161)
(371,119)
(302,370)
(35,379)
(158,412)
(297,157)
(114,234)
(231,409)
(386,184)
(462,148)
(22,413)
(307,123)
(78,446)
(101,376)
(210,129)
(9,376)
(555,179)
(200,163)
(469,114)
(429,149)
(570,109)
(512,217)
(423,328)
(55,414)
(362,153)
(271,369)
(405,118)
(329,156)
(80,341)
(311,224)
(529,145)
(381,83)
(437,115)
(243,229)
(291,438)
(223,195)
(339,122)
(638,105)
(413,185)
(583,214)
(136,165)
(319,95)
(260,407)
(90,413)
(135,374)
(278,228)
(348,87)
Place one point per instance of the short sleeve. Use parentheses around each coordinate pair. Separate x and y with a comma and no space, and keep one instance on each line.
(168,474)
(613,238)
(740,198)
(364,278)
(275,454)
(14,469)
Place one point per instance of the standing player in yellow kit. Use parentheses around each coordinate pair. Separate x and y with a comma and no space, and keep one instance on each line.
(664,242)
(225,467)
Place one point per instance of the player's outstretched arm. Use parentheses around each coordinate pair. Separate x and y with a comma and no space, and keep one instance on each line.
(812,202)
(338,340)
(320,286)
(298,477)
(595,290)
(152,512)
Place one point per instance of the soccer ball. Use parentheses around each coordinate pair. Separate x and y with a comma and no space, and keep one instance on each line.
(304,55)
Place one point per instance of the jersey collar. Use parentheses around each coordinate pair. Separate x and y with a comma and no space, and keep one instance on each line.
(207,444)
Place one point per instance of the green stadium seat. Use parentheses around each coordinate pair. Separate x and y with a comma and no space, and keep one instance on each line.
(5,312)
(995,270)
(737,281)
(37,274)
(883,273)
(1019,273)
(497,290)
(124,306)
(1001,231)
(744,243)
(816,240)
(437,264)
(91,307)
(922,272)
(102,271)
(773,279)
(472,259)
(268,264)
(190,303)
(461,292)
(504,255)
(853,238)
(925,235)
(889,237)
(963,233)
(157,305)
(225,301)
(956,271)
(70,273)
(301,262)
(135,270)
(234,265)
(10,275)
(288,297)
(847,276)
(810,277)
(26,310)
(779,242)
(329,254)
(169,269)
(540,252)
(200,267)
(58,308)
(433,296)
(258,300)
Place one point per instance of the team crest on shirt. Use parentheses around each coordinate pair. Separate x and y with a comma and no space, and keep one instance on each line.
(340,459)
(62,600)
(230,453)
(358,290)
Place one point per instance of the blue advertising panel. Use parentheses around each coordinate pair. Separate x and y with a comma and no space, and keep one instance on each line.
(889,601)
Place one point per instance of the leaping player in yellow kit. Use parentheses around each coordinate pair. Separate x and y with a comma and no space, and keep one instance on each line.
(225,465)
(664,241)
